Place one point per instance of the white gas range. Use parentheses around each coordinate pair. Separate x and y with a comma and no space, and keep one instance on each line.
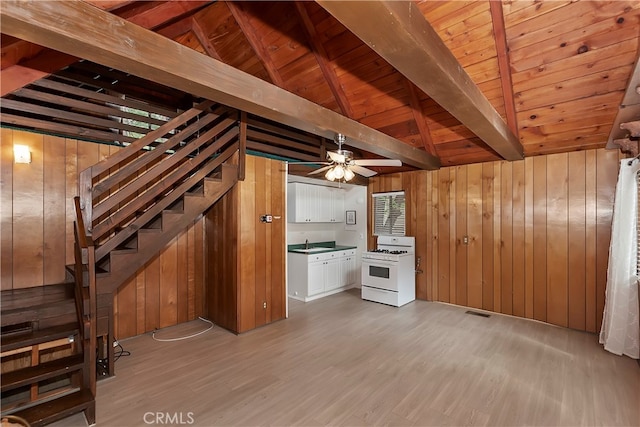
(388,272)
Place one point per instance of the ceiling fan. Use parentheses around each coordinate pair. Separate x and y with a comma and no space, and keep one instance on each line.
(342,166)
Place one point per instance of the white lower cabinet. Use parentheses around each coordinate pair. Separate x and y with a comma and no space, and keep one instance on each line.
(314,276)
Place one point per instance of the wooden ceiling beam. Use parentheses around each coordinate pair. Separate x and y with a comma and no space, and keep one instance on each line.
(423,126)
(321,56)
(202,37)
(399,33)
(106,39)
(254,39)
(47,62)
(502,50)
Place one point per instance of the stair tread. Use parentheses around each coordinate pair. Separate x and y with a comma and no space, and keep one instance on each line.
(56,409)
(13,342)
(36,296)
(33,374)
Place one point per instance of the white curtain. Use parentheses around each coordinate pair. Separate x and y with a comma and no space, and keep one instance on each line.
(620,330)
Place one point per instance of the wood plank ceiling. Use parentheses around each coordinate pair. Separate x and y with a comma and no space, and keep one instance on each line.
(554,72)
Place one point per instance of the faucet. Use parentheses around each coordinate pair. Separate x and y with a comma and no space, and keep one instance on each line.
(306,244)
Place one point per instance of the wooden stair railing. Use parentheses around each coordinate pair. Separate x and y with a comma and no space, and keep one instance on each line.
(141,197)
(86,304)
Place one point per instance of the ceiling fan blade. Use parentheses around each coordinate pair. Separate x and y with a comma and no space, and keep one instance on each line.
(309,163)
(378,162)
(320,170)
(367,173)
(336,157)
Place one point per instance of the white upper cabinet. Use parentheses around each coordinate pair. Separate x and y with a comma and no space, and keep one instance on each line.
(314,203)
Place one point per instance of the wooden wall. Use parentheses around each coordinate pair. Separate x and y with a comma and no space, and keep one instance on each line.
(245,257)
(36,234)
(538,234)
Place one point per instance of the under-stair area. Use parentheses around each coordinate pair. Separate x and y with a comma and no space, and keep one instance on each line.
(130,205)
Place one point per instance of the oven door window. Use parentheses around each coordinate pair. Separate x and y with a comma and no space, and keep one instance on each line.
(380,272)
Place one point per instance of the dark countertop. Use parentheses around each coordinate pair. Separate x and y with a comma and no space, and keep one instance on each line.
(318,248)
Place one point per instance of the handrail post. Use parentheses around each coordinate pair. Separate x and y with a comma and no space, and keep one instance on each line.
(243,145)
(86,199)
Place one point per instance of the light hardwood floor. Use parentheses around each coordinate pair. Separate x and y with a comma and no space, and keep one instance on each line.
(344,361)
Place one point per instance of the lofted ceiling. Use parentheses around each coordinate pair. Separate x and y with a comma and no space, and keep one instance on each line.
(436,82)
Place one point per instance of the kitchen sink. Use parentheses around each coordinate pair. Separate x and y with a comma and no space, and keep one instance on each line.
(310,250)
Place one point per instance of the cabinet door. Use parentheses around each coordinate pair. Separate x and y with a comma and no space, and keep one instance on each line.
(337,205)
(315,277)
(297,203)
(332,275)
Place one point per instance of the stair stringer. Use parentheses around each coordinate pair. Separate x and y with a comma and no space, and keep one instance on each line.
(125,263)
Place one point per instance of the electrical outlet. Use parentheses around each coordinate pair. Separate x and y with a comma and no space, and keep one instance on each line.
(116,343)
(264,304)
(465,240)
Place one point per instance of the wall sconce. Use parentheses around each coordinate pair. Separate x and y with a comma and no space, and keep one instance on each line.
(21,154)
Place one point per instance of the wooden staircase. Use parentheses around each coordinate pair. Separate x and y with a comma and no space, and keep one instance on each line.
(46,355)
(130,205)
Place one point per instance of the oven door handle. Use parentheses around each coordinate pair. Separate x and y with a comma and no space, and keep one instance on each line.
(378,262)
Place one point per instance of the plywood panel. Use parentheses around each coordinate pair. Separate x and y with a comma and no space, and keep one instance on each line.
(506,247)
(540,238)
(443,234)
(54,152)
(518,239)
(488,176)
(529,267)
(577,240)
(591,240)
(247,233)
(237,242)
(182,296)
(152,294)
(462,234)
(169,284)
(557,239)
(452,235)
(28,237)
(261,277)
(538,234)
(474,227)
(6,209)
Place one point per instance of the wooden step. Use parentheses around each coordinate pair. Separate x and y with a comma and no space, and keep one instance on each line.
(43,371)
(57,409)
(39,295)
(40,336)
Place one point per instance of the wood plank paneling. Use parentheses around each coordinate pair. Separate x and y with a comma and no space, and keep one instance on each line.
(245,257)
(538,234)
(487,235)
(6,209)
(577,240)
(54,206)
(557,239)
(474,224)
(540,238)
(518,239)
(39,197)
(460,262)
(28,214)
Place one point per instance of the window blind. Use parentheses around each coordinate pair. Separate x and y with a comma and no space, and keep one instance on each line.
(389,214)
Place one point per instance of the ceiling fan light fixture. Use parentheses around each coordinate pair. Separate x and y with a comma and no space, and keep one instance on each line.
(338,171)
(330,175)
(348,174)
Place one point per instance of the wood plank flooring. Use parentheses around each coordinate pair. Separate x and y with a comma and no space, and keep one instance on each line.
(343,361)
